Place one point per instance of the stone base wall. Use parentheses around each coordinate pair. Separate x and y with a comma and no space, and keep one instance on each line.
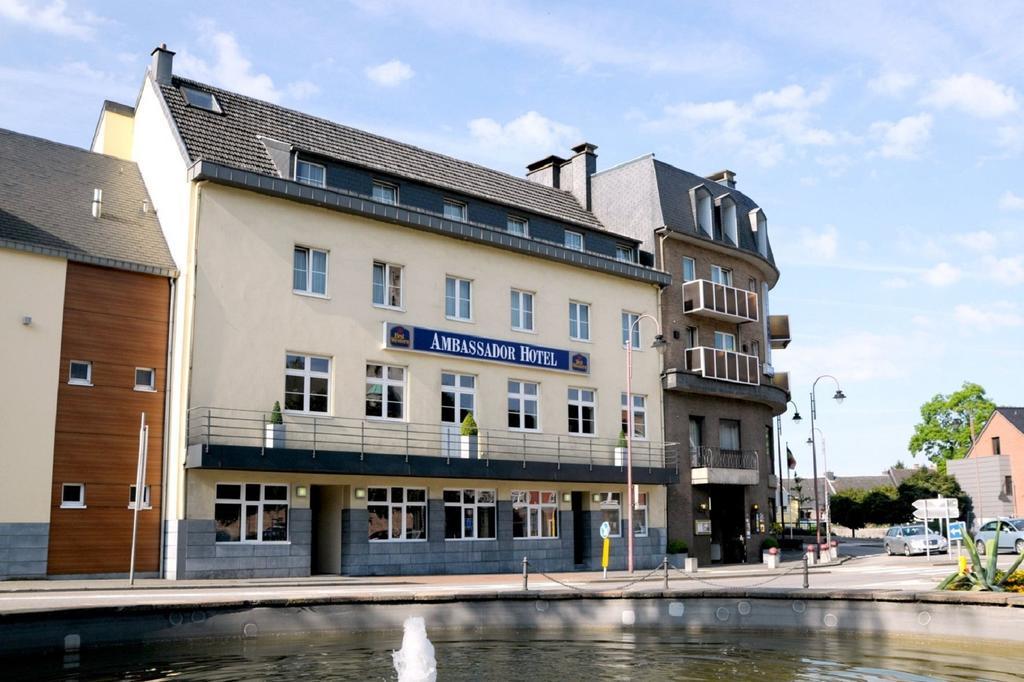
(23,548)
(200,556)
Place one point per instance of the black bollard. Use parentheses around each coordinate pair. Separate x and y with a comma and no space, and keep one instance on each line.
(807,582)
(526,578)
(664,564)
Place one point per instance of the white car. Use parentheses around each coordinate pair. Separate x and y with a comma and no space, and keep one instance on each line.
(911,539)
(1011,535)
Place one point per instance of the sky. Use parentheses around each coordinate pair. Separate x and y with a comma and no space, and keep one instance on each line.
(884,142)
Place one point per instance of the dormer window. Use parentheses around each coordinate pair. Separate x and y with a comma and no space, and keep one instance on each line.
(455,210)
(574,240)
(727,211)
(200,99)
(703,213)
(385,193)
(309,173)
(759,226)
(518,226)
(626,254)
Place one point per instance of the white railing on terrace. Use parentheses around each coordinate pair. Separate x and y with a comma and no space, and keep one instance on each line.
(720,301)
(325,434)
(718,458)
(724,365)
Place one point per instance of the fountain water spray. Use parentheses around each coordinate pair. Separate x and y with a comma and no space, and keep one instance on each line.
(415,661)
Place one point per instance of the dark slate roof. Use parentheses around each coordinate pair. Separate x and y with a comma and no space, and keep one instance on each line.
(1015,415)
(892,477)
(46,192)
(233,140)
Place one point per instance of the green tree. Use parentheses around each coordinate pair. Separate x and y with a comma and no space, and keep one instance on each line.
(925,483)
(846,510)
(879,505)
(944,432)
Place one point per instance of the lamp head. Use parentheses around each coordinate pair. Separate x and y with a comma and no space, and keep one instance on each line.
(796,416)
(659,343)
(809,441)
(839,397)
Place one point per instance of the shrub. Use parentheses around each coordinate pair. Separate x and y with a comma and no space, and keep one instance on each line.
(677,547)
(622,440)
(769,543)
(275,414)
(469,427)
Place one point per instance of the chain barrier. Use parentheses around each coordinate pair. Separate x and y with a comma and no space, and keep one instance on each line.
(660,567)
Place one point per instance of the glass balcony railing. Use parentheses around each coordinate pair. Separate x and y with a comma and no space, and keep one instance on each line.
(724,365)
(719,301)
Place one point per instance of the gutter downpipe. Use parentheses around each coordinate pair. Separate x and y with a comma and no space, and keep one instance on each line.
(172,284)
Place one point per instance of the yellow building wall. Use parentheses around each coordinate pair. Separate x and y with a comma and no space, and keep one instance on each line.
(247,316)
(33,285)
(114,135)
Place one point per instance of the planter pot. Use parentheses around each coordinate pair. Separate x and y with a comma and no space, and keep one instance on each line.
(770,560)
(620,456)
(469,447)
(677,560)
(274,436)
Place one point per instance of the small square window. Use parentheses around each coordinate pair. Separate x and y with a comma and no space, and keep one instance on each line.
(145,379)
(624,253)
(385,193)
(310,173)
(518,226)
(201,99)
(145,498)
(573,240)
(72,496)
(454,210)
(80,373)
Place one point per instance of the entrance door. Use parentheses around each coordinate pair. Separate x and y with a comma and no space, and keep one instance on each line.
(458,398)
(326,503)
(580,530)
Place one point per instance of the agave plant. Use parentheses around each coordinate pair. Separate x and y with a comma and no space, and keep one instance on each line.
(982,577)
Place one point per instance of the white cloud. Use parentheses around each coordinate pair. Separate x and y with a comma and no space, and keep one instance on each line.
(891,83)
(980,240)
(52,17)
(532,134)
(989,318)
(1011,202)
(390,74)
(974,95)
(864,356)
(232,70)
(1008,270)
(903,139)
(942,275)
(790,97)
(820,245)
(895,283)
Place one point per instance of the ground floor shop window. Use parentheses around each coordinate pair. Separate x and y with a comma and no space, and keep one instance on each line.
(469,514)
(610,506)
(534,514)
(251,512)
(640,515)
(397,513)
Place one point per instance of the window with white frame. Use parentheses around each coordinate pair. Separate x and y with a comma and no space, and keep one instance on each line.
(385,391)
(755,348)
(458,397)
(519,226)
(640,515)
(610,506)
(624,253)
(455,210)
(630,329)
(396,514)
(309,173)
(752,284)
(574,240)
(692,339)
(309,271)
(72,496)
(80,373)
(727,208)
(145,497)
(306,383)
(522,310)
(704,211)
(689,269)
(534,514)
(582,409)
(470,514)
(725,341)
(639,415)
(385,192)
(458,299)
(145,379)
(251,512)
(720,275)
(387,285)
(579,321)
(523,405)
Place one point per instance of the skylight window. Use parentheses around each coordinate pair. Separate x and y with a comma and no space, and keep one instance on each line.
(201,100)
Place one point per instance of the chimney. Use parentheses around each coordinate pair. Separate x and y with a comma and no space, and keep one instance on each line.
(97,203)
(724,177)
(547,171)
(163,59)
(581,166)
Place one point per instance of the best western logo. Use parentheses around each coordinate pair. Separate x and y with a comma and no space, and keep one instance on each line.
(580,363)
(400,336)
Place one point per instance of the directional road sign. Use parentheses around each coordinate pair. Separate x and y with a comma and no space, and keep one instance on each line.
(936,508)
(956,530)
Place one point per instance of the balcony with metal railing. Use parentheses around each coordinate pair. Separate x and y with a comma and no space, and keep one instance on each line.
(220,438)
(723,466)
(719,301)
(778,331)
(724,365)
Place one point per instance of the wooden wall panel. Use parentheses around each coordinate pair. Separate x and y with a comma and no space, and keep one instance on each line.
(118,321)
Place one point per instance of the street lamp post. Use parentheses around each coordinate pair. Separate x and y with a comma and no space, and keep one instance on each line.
(778,426)
(828,496)
(659,344)
(838,397)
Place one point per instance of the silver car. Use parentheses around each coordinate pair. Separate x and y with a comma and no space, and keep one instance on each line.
(1011,535)
(911,539)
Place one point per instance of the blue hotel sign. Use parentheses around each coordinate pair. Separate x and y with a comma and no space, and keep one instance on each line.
(402,337)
